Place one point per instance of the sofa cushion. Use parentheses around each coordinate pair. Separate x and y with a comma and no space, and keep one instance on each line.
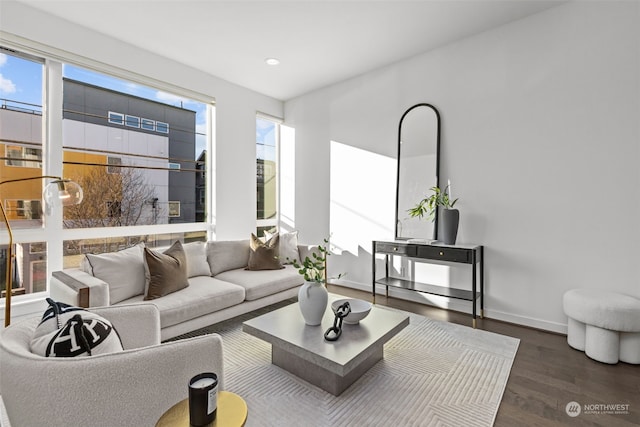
(227,255)
(288,246)
(68,331)
(166,271)
(204,295)
(123,271)
(258,284)
(197,264)
(264,255)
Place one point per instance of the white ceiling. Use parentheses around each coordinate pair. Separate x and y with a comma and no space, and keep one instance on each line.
(317,42)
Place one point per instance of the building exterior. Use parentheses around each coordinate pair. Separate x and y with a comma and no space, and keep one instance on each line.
(133,131)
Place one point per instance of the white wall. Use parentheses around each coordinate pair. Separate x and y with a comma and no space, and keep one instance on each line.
(540,138)
(236,106)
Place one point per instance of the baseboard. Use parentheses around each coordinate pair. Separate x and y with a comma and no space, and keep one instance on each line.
(457,305)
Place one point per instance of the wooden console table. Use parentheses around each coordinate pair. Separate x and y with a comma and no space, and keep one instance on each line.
(461,254)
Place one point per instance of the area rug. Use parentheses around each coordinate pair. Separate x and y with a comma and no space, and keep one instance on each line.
(433,374)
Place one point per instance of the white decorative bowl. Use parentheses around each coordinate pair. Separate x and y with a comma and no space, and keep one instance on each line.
(359,309)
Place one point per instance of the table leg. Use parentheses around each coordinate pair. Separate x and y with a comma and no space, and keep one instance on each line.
(482,282)
(473,285)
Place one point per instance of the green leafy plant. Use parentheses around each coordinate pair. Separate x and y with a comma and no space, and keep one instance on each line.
(429,205)
(313,269)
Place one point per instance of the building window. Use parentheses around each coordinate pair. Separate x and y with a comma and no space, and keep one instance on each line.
(267,136)
(174,209)
(23,157)
(114,164)
(132,121)
(116,118)
(147,124)
(23,209)
(174,166)
(162,127)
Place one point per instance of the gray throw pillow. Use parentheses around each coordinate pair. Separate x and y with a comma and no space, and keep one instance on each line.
(123,271)
(264,255)
(167,271)
(225,255)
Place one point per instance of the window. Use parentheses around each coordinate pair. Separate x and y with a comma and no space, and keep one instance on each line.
(116,118)
(114,164)
(132,121)
(162,127)
(134,164)
(23,209)
(21,130)
(123,159)
(147,124)
(267,135)
(174,209)
(23,157)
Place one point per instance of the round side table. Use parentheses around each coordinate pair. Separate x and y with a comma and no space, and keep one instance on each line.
(232,412)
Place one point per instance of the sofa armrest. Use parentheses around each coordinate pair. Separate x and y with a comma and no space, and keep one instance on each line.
(137,324)
(75,287)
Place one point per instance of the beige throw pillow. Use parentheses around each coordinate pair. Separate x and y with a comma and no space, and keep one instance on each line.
(264,255)
(167,271)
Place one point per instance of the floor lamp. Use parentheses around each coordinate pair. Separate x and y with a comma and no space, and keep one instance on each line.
(58,192)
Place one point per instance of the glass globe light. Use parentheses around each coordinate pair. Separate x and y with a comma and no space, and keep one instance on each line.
(61,192)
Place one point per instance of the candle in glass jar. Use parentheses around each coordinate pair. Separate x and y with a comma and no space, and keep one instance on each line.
(202,383)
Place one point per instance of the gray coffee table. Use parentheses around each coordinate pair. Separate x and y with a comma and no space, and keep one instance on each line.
(332,366)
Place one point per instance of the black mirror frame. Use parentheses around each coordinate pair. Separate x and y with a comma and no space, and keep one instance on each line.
(435,220)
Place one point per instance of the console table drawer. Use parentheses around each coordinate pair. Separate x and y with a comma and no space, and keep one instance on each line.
(390,248)
(444,254)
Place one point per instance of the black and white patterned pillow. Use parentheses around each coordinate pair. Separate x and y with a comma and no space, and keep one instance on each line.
(68,331)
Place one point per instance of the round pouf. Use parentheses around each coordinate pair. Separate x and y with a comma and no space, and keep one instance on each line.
(605,325)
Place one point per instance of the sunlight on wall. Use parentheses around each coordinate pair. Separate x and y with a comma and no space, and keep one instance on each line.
(362,197)
(287,178)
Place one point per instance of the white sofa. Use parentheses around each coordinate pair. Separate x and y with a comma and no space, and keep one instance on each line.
(129,388)
(219,286)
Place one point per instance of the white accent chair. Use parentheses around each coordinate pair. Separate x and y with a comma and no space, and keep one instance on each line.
(134,387)
(605,325)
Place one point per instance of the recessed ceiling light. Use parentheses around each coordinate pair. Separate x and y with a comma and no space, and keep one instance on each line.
(272,61)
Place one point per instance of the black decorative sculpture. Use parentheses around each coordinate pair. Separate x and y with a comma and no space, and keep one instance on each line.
(341,312)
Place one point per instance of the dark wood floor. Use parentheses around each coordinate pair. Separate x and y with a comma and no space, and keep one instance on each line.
(546,375)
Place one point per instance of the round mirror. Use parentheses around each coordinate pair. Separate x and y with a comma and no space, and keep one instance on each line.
(418,167)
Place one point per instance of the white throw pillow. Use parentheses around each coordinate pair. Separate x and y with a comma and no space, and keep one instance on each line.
(197,264)
(288,246)
(123,271)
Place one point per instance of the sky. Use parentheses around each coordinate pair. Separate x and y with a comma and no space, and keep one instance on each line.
(21,81)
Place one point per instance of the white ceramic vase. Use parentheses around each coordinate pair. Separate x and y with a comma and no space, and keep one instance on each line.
(312,299)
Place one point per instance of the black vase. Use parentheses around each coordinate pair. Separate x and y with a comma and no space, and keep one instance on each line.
(450,220)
